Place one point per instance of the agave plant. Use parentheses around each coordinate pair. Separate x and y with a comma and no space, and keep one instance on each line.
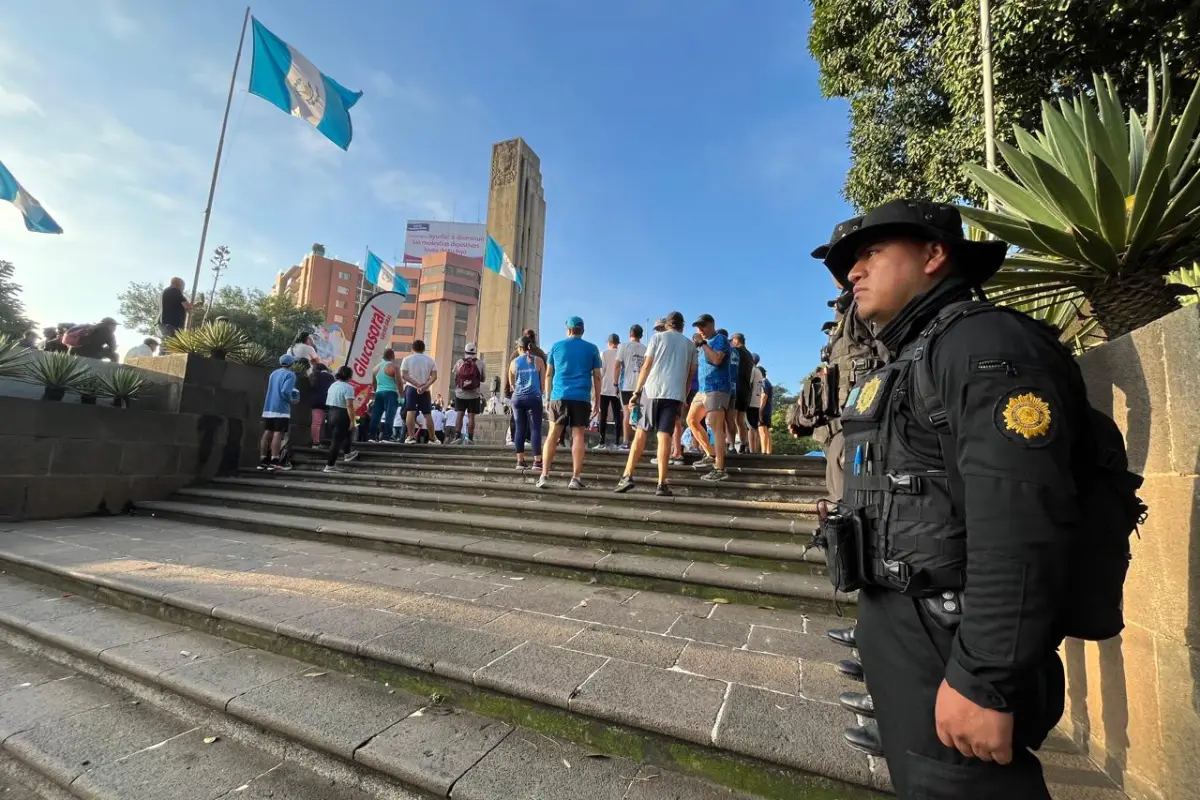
(1189,278)
(13,359)
(58,372)
(183,341)
(255,355)
(221,339)
(122,385)
(1101,206)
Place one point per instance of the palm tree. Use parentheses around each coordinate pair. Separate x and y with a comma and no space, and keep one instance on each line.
(1101,207)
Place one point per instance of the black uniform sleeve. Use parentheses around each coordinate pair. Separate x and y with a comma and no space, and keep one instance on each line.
(1008,403)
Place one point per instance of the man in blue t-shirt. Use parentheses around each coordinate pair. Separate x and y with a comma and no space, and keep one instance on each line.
(712,401)
(573,370)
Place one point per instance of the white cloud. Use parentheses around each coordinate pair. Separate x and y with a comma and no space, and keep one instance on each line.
(412,194)
(117,21)
(14,103)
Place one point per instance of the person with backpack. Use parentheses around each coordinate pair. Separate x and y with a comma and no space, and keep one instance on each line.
(468,391)
(980,523)
(93,341)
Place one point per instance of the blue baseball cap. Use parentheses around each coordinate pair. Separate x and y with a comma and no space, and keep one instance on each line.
(575,323)
(286,360)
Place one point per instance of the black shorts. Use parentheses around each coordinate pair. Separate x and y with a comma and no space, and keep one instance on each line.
(576,413)
(276,424)
(472,406)
(661,417)
(741,400)
(417,402)
(752,417)
(625,398)
(764,419)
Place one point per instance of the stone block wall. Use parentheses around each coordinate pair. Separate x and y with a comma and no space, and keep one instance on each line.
(65,459)
(1134,701)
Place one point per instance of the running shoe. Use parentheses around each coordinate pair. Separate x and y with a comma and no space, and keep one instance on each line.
(410,440)
(715,475)
(600,448)
(676,462)
(624,485)
(263,466)
(654,461)
(623,448)
(521,466)
(284,467)
(353,454)
(537,464)
(372,441)
(705,462)
(333,468)
(542,482)
(663,491)
(576,484)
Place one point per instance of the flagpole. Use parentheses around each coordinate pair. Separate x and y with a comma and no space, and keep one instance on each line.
(212,187)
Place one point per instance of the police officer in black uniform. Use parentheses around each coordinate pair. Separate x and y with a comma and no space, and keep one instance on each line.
(958,477)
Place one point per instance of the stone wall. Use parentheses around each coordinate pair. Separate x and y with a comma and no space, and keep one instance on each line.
(66,459)
(1133,701)
(160,394)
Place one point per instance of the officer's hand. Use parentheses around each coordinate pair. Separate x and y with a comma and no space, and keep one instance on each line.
(974,731)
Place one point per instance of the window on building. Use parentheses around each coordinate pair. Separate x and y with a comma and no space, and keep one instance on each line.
(338,318)
(406,314)
(428,332)
(456,288)
(402,347)
(340,304)
(343,290)
(343,276)
(401,330)
(454,272)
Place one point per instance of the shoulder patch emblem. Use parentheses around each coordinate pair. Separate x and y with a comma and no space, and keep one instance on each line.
(870,392)
(1027,415)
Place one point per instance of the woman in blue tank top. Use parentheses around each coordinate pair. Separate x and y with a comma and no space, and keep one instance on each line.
(527,375)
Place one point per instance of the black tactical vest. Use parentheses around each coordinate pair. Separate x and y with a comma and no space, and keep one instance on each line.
(914,539)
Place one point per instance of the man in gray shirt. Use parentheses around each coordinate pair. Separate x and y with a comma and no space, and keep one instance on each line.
(664,378)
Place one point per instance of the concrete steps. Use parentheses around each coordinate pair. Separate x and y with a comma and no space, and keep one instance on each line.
(106,703)
(558,549)
(733,693)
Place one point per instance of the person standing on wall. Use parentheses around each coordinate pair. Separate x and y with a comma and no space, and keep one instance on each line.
(712,402)
(173,308)
(387,398)
(573,376)
(610,394)
(340,400)
(418,372)
(468,391)
(526,376)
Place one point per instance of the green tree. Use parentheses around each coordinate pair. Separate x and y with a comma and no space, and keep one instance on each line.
(271,321)
(911,72)
(13,322)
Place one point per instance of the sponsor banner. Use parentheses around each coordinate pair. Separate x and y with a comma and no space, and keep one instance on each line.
(424,237)
(331,345)
(372,333)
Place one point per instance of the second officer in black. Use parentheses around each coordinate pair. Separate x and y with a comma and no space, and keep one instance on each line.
(958,468)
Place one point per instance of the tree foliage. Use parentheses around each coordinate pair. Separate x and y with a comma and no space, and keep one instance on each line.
(911,72)
(13,322)
(269,320)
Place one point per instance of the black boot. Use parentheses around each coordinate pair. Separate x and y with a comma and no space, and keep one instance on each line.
(842,636)
(851,668)
(858,702)
(864,739)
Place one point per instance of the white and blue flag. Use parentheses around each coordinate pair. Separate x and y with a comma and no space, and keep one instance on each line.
(384,275)
(36,218)
(495,259)
(286,79)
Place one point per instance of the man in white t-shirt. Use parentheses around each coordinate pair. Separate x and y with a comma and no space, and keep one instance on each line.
(439,424)
(418,372)
(630,357)
(451,420)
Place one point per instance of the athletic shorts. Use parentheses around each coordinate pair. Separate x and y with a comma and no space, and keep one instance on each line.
(712,401)
(625,398)
(276,424)
(417,402)
(659,416)
(576,413)
(741,402)
(752,417)
(471,406)
(691,397)
(764,419)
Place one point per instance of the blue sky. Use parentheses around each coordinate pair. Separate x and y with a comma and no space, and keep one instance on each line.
(689,160)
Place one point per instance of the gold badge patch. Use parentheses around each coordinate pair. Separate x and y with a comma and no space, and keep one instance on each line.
(1027,415)
(870,391)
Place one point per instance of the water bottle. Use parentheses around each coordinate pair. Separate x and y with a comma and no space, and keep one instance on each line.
(635,413)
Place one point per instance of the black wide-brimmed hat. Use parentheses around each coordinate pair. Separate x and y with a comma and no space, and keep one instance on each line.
(975,261)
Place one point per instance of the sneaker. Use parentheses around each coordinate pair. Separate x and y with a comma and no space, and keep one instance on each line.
(372,441)
(715,475)
(677,462)
(272,467)
(411,440)
(353,454)
(263,466)
(705,463)
(663,491)
(624,485)
(522,466)
(623,448)
(284,467)
(389,441)
(600,448)
(654,461)
(543,481)
(467,440)
(333,468)
(576,484)
(537,464)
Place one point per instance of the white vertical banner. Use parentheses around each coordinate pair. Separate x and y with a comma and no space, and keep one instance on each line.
(372,333)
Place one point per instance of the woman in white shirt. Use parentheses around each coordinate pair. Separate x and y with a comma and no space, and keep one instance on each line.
(303,348)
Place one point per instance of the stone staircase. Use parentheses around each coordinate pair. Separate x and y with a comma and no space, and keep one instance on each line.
(429,624)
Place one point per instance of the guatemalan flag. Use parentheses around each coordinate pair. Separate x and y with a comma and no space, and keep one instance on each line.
(286,79)
(384,276)
(36,218)
(495,259)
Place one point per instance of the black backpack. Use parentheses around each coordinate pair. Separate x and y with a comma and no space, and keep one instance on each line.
(1110,509)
